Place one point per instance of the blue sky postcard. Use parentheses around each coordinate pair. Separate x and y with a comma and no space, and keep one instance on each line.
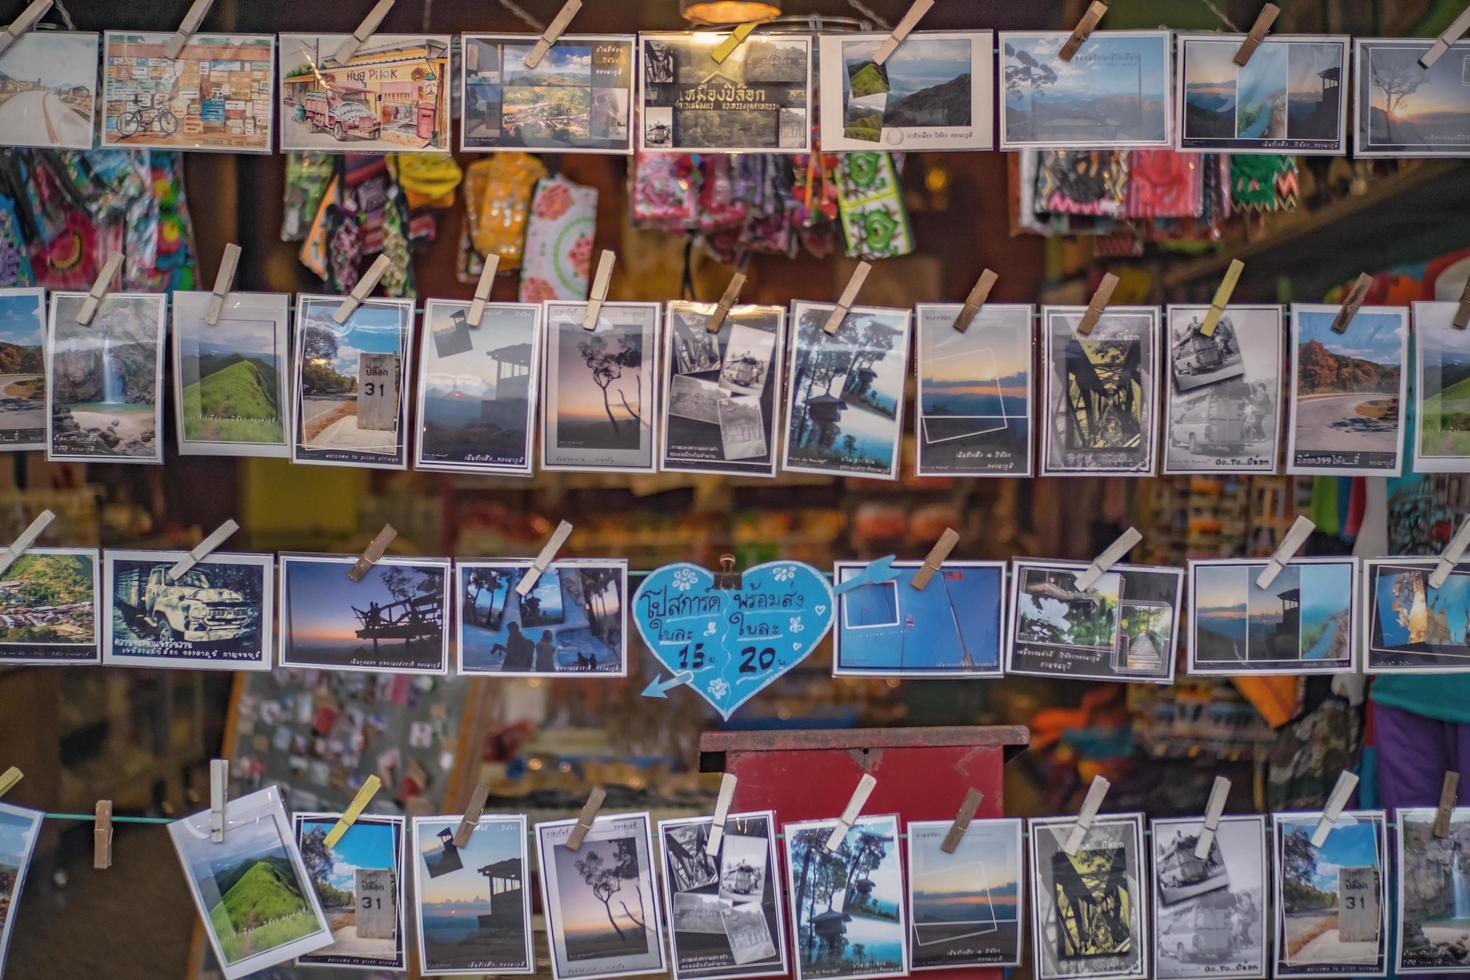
(1410,625)
(23,383)
(231,377)
(1301,623)
(1405,110)
(472,902)
(1331,901)
(359,882)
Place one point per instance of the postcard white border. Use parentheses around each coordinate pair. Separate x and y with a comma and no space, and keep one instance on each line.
(94,116)
(34,833)
(1431,316)
(1368,567)
(324,958)
(1363,46)
(94,660)
(941,828)
(42,318)
(1424,812)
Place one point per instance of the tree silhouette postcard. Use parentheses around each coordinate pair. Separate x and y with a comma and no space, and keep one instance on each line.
(1405,110)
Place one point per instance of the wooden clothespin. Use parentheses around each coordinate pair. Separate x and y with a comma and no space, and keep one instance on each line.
(1098,305)
(102,836)
(202,549)
(483,288)
(1091,803)
(1346,783)
(1222,297)
(363,289)
(543,559)
(1461,319)
(1219,793)
(359,37)
(1083,30)
(975,301)
(935,559)
(848,298)
(1291,543)
(875,572)
(99,289)
(364,796)
(224,280)
(1253,40)
(732,41)
(728,299)
(852,811)
(372,553)
(1458,28)
(27,538)
(553,31)
(962,820)
(9,778)
(597,295)
(186,30)
(1351,303)
(472,814)
(1451,556)
(722,813)
(1110,556)
(27,19)
(901,30)
(586,818)
(219,797)
(729,578)
(1449,792)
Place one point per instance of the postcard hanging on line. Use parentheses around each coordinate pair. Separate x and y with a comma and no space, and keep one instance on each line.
(1210,913)
(933,93)
(975,391)
(723,390)
(966,906)
(472,903)
(55,106)
(103,379)
(50,608)
(1409,626)
(1330,902)
(19,831)
(724,909)
(1433,892)
(359,883)
(23,328)
(1403,109)
(578,99)
(1441,396)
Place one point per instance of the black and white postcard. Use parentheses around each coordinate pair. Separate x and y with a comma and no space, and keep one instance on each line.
(1302,623)
(477,388)
(965,907)
(1405,110)
(1441,388)
(975,391)
(600,901)
(50,607)
(599,402)
(23,386)
(1099,393)
(1331,902)
(1222,406)
(359,883)
(215,616)
(1433,892)
(724,908)
(935,92)
(473,903)
(723,389)
(103,379)
(1088,914)
(1411,627)
(19,830)
(1210,913)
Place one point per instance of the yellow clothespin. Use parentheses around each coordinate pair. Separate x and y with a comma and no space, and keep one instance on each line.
(219,793)
(1461,319)
(1222,297)
(1083,30)
(27,19)
(354,810)
(482,290)
(597,295)
(362,290)
(9,778)
(976,300)
(910,20)
(852,811)
(1457,29)
(1451,555)
(365,30)
(1110,556)
(728,299)
(935,559)
(1352,303)
(102,836)
(202,549)
(1253,40)
(1092,803)
(544,558)
(472,813)
(224,280)
(99,289)
(962,820)
(1219,793)
(27,538)
(1333,810)
(1098,304)
(553,31)
(848,298)
(732,41)
(1291,543)
(1448,793)
(192,20)
(586,818)
(722,813)
(375,549)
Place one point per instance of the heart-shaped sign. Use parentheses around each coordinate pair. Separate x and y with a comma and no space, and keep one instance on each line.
(729,644)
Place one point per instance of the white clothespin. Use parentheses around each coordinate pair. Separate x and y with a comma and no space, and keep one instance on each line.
(201,550)
(99,289)
(722,813)
(1448,793)
(907,23)
(472,813)
(482,290)
(728,299)
(1346,783)
(1110,556)
(9,778)
(962,820)
(1098,305)
(935,559)
(1457,29)
(976,300)
(853,810)
(372,553)
(1351,303)
(1219,793)
(553,31)
(1091,803)
(1291,543)
(597,295)
(1451,556)
(362,290)
(191,23)
(359,37)
(849,296)
(224,281)
(1253,40)
(1083,30)
(364,796)
(27,19)
(1222,297)
(547,555)
(586,818)
(1461,319)
(219,793)
(27,538)
(732,41)
(102,836)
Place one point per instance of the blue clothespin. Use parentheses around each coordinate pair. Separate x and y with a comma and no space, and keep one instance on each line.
(877,571)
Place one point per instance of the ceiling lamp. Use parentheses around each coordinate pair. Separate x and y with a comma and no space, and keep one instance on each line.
(714,12)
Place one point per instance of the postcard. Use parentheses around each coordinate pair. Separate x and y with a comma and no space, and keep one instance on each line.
(860,930)
(1287,99)
(19,831)
(1347,391)
(933,93)
(477,388)
(392,620)
(1410,626)
(601,906)
(974,391)
(1087,909)
(723,390)
(218,94)
(215,616)
(50,607)
(253,892)
(1403,109)
(23,387)
(1433,890)
(1301,624)
(55,105)
(1124,628)
(579,98)
(1210,913)
(759,99)
(724,908)
(1441,398)
(953,628)
(351,397)
(966,906)
(1222,406)
(855,431)
(1099,392)
(230,378)
(472,903)
(1113,93)
(392,95)
(573,622)
(1330,901)
(359,883)
(103,379)
(600,388)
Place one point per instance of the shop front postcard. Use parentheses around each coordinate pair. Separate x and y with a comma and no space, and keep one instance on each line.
(573,623)
(23,387)
(1210,913)
(49,607)
(1302,623)
(472,903)
(1433,892)
(1441,394)
(1412,627)
(1331,902)
(966,906)
(359,883)
(1404,109)
(19,831)
(55,104)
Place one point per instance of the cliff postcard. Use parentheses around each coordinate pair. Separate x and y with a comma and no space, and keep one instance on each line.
(1302,623)
(1433,892)
(1410,625)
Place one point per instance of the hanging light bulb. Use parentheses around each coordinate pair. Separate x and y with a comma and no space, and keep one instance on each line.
(712,12)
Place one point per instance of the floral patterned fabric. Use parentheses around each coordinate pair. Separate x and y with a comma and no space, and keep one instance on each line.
(558,241)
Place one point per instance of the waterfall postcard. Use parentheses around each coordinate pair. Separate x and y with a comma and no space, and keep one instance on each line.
(230,377)
(1302,623)
(472,902)
(1433,892)
(359,882)
(103,379)
(49,605)
(1411,626)
(23,382)
(1330,902)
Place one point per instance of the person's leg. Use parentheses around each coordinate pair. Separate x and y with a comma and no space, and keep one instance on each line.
(1413,753)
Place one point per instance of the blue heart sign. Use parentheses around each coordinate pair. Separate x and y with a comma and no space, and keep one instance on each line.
(729,644)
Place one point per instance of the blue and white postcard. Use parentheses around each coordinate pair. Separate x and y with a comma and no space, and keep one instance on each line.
(1410,626)
(965,906)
